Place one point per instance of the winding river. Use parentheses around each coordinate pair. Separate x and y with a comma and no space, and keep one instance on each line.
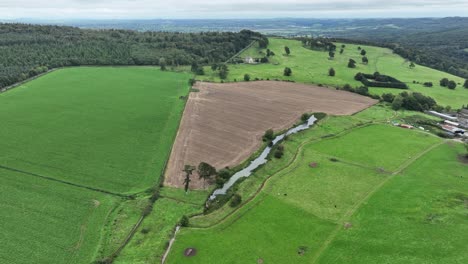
(260,160)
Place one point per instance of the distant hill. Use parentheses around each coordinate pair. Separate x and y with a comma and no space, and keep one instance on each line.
(439,43)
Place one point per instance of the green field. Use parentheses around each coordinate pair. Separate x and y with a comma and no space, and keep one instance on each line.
(49,222)
(303,209)
(311,66)
(106,128)
(73,142)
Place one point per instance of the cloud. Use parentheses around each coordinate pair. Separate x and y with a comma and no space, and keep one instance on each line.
(228,9)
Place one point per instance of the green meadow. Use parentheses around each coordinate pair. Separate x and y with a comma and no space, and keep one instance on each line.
(74,143)
(106,128)
(368,173)
(48,222)
(311,66)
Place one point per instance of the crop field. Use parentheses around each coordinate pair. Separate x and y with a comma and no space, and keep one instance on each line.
(106,128)
(73,143)
(49,222)
(311,66)
(336,211)
(223,124)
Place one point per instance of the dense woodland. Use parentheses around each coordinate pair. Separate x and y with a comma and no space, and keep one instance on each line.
(28,50)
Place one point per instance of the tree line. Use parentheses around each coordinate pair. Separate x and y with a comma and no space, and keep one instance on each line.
(28,50)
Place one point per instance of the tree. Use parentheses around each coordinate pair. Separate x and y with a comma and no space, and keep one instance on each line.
(287,71)
(246,77)
(184,221)
(397,103)
(194,67)
(205,171)
(363,52)
(452,85)
(444,82)
(162,64)
(365,60)
(331,72)
(341,51)
(343,46)
(331,54)
(359,48)
(351,63)
(388,97)
(287,50)
(222,177)
(269,135)
(465,84)
(412,65)
(223,72)
(305,117)
(188,169)
(214,67)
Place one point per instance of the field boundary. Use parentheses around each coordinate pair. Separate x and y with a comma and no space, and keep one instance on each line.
(156,189)
(64,182)
(15,85)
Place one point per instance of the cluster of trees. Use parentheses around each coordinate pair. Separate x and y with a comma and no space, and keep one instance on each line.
(325,44)
(28,50)
(448,83)
(379,80)
(205,171)
(410,101)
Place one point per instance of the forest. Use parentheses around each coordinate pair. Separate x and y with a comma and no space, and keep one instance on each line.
(28,50)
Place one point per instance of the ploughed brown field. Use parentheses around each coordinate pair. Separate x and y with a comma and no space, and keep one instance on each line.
(223,124)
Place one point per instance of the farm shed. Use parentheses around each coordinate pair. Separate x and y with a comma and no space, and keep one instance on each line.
(463,118)
(443,116)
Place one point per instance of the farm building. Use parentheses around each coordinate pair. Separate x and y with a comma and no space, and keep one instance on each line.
(249,60)
(443,116)
(406,126)
(463,118)
(455,124)
(452,129)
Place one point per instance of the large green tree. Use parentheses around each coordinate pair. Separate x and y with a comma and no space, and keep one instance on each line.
(205,171)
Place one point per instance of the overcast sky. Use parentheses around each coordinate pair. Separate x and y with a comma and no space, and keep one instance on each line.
(144,9)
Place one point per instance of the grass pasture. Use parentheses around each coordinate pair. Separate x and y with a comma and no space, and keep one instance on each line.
(73,142)
(418,217)
(311,66)
(298,216)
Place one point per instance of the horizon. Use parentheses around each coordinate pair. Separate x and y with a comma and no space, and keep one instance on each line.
(242,9)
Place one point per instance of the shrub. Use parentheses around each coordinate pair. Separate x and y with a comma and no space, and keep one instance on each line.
(192,81)
(331,72)
(465,84)
(305,117)
(278,154)
(388,97)
(428,84)
(236,200)
(351,63)
(444,82)
(184,221)
(287,71)
(269,135)
(246,77)
(452,85)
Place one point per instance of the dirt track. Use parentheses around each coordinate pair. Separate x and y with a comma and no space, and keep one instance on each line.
(223,123)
